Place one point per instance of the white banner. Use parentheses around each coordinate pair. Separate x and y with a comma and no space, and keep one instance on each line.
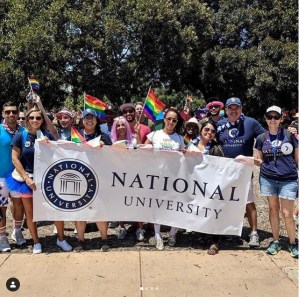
(202,193)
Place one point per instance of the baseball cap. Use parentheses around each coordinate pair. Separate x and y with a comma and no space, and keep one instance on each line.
(126,105)
(274,108)
(214,103)
(233,101)
(89,111)
(65,111)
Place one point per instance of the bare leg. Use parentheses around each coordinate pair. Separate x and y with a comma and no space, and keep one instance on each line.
(60,230)
(274,208)
(80,226)
(252,215)
(287,213)
(28,207)
(102,227)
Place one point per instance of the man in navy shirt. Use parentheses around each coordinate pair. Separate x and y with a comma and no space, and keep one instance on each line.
(237,134)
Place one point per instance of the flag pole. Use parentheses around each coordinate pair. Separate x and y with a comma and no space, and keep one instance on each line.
(138,121)
(83,100)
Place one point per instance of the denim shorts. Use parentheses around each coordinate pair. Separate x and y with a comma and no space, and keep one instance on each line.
(282,189)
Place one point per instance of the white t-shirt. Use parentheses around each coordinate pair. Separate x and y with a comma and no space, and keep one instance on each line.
(163,141)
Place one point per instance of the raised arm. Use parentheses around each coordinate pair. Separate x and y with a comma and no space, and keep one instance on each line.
(49,125)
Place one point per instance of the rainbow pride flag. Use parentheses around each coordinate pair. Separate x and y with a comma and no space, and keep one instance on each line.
(76,136)
(153,106)
(187,139)
(95,104)
(34,84)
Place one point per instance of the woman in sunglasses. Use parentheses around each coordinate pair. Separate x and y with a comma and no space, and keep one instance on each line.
(167,138)
(21,180)
(90,129)
(277,155)
(207,144)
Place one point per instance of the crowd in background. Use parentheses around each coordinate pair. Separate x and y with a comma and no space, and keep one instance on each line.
(219,129)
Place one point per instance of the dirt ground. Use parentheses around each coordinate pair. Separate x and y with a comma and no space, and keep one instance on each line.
(184,240)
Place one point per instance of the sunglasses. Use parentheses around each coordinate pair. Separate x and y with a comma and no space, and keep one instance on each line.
(275,117)
(128,111)
(21,118)
(172,120)
(38,118)
(191,127)
(212,131)
(214,106)
(14,112)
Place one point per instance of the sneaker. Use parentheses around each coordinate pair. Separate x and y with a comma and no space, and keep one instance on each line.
(122,233)
(172,240)
(140,234)
(80,246)
(54,230)
(75,231)
(273,248)
(105,247)
(4,245)
(160,244)
(254,240)
(63,245)
(293,248)
(17,236)
(37,248)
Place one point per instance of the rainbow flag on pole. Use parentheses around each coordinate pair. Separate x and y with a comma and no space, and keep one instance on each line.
(76,136)
(187,139)
(34,84)
(153,106)
(95,104)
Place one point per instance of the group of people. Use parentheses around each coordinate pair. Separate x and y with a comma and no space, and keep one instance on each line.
(230,136)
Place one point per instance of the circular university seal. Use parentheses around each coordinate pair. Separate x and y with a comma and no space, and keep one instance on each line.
(287,148)
(233,133)
(69,185)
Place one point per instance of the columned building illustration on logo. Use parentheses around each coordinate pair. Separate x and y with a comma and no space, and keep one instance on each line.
(70,184)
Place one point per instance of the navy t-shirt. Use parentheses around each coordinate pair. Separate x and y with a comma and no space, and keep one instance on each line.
(238,139)
(27,148)
(282,166)
(104,137)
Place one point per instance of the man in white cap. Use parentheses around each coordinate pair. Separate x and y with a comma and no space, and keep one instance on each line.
(237,134)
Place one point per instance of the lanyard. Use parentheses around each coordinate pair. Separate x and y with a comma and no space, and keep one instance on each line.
(273,144)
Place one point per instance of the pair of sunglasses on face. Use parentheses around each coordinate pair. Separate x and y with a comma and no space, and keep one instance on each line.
(275,117)
(8,112)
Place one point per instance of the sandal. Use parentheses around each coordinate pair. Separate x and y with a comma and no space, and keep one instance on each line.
(213,249)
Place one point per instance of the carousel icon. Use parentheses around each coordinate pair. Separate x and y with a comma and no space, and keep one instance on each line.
(70,184)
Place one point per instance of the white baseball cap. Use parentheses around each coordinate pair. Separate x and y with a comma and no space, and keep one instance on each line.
(274,108)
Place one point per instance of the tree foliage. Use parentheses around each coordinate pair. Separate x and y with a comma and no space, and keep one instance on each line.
(117,49)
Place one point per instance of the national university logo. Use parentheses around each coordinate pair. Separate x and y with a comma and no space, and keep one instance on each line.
(70,185)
